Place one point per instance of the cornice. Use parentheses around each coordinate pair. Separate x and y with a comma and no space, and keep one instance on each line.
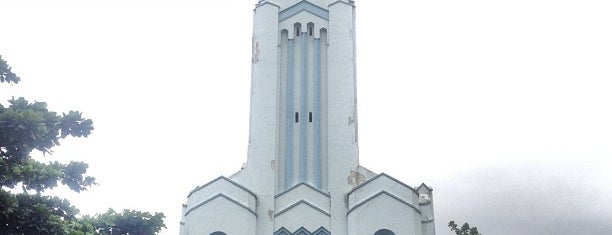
(352,4)
(303,6)
(383,193)
(381,175)
(265,3)
(298,203)
(298,185)
(217,196)
(427,221)
(226,179)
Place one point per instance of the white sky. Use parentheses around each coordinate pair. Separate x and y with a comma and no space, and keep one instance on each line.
(498,105)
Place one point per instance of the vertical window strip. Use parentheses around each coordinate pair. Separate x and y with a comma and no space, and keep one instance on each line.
(289,114)
(317,113)
(303,105)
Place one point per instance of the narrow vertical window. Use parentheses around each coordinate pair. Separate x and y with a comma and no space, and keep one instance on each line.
(298,28)
(309,116)
(297,117)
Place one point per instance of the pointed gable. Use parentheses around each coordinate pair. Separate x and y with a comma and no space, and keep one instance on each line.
(303,6)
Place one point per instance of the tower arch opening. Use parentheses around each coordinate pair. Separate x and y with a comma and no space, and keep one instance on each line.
(384,232)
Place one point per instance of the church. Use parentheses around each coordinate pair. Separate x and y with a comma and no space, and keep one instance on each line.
(302,175)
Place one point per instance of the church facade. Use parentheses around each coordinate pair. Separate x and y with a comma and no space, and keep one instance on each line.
(302,174)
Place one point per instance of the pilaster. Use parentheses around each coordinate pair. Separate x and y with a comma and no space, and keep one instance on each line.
(342,111)
(260,172)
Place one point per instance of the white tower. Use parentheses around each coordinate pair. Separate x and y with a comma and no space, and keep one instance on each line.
(302,174)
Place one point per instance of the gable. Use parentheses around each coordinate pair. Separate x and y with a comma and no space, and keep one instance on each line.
(303,6)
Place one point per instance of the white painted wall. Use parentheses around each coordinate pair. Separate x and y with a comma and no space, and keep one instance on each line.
(302,215)
(303,206)
(260,172)
(342,111)
(384,212)
(220,215)
(225,187)
(302,192)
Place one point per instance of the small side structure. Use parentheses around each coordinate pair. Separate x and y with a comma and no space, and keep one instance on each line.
(385,202)
(223,203)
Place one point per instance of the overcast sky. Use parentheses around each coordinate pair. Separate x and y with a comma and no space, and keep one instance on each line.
(503,107)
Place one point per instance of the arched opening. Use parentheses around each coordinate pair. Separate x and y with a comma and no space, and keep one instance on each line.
(218,233)
(384,232)
(297,27)
(310,27)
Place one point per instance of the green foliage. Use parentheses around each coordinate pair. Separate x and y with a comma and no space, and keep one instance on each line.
(128,222)
(25,127)
(464,230)
(6,75)
(36,214)
(33,175)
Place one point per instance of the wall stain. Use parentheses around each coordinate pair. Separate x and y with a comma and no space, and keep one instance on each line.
(355,179)
(271,215)
(255,50)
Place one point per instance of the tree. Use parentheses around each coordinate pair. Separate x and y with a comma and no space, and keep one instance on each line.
(27,126)
(6,75)
(128,222)
(464,230)
(36,214)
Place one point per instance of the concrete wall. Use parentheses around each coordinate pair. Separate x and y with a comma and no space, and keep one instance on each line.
(384,203)
(342,108)
(302,206)
(384,212)
(260,172)
(427,211)
(222,215)
(285,188)
(213,207)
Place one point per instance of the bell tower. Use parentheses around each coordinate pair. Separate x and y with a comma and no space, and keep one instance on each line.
(302,174)
(303,89)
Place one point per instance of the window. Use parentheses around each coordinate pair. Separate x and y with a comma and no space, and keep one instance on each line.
(297,117)
(384,232)
(218,233)
(310,29)
(309,116)
(297,27)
